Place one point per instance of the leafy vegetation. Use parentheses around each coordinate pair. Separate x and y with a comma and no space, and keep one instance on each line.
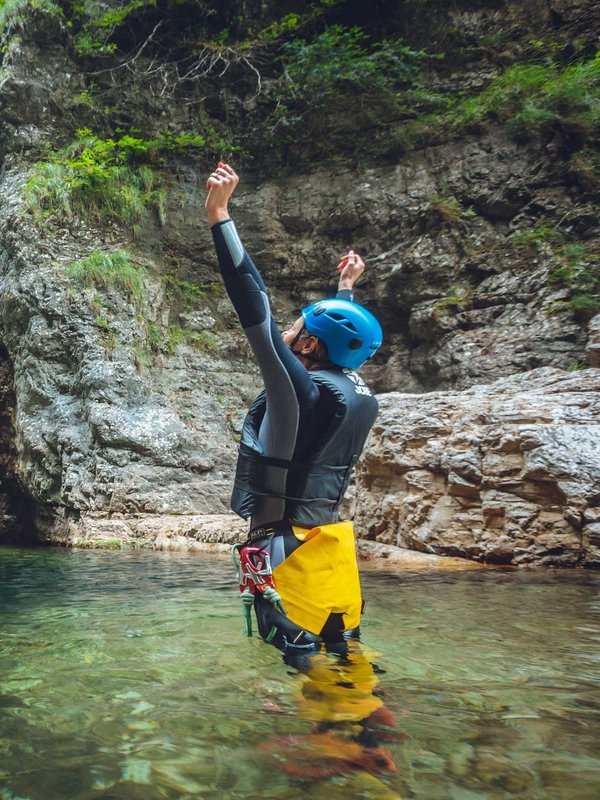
(338,71)
(96,177)
(110,270)
(98,21)
(529,98)
(341,80)
(113,177)
(15,11)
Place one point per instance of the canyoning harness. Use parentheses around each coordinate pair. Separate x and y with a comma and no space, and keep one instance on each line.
(254,575)
(312,572)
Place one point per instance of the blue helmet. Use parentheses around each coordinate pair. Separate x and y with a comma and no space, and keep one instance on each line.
(351,333)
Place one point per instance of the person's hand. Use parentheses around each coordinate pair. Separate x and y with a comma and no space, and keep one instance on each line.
(351,267)
(220,186)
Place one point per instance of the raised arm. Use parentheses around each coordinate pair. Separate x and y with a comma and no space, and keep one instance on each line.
(290,392)
(248,294)
(351,267)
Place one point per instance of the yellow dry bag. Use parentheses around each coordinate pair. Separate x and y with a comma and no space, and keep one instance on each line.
(321,577)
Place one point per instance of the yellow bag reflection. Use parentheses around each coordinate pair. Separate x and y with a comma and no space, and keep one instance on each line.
(321,577)
(341,690)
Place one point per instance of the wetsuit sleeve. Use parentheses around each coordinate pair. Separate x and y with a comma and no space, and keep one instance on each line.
(345,294)
(248,294)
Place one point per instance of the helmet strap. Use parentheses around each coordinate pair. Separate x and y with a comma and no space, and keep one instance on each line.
(308,357)
(295,339)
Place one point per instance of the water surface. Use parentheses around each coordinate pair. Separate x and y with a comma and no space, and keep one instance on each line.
(126,675)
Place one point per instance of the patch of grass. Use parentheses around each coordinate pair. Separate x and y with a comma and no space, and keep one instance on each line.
(116,177)
(204,340)
(584,305)
(537,236)
(201,340)
(184,293)
(176,335)
(98,178)
(449,210)
(154,337)
(532,97)
(579,270)
(110,544)
(111,270)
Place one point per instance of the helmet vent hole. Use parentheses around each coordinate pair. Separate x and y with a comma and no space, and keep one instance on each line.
(344,321)
(355,344)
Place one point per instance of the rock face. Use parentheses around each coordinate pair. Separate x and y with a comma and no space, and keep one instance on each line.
(111,409)
(460,303)
(15,521)
(507,473)
(593,345)
(94,429)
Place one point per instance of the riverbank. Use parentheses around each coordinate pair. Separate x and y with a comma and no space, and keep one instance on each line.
(215,534)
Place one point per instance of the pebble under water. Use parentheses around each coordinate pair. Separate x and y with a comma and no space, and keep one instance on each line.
(127,675)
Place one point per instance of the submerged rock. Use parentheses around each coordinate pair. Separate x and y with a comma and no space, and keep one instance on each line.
(505,473)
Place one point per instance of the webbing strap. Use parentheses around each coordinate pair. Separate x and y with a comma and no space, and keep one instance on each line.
(278,528)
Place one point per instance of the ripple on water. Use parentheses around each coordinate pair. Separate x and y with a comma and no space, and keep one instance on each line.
(126,675)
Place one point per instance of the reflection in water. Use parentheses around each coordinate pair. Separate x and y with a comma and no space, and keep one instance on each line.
(341,696)
(127,675)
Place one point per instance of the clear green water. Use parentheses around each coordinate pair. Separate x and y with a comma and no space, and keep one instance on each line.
(125,675)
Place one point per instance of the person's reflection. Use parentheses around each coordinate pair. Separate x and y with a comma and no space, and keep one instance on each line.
(340,693)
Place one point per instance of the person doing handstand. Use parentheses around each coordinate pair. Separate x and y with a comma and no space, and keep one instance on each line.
(300,441)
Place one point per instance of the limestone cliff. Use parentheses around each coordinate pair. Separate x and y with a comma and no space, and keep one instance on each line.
(121,401)
(507,473)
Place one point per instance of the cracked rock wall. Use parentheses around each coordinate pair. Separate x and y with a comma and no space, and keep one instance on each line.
(507,473)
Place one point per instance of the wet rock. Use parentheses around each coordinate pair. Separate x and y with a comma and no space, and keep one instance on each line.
(505,473)
(593,345)
(188,532)
(15,519)
(378,555)
(118,424)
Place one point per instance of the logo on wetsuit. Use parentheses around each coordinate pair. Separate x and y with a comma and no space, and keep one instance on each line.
(360,387)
